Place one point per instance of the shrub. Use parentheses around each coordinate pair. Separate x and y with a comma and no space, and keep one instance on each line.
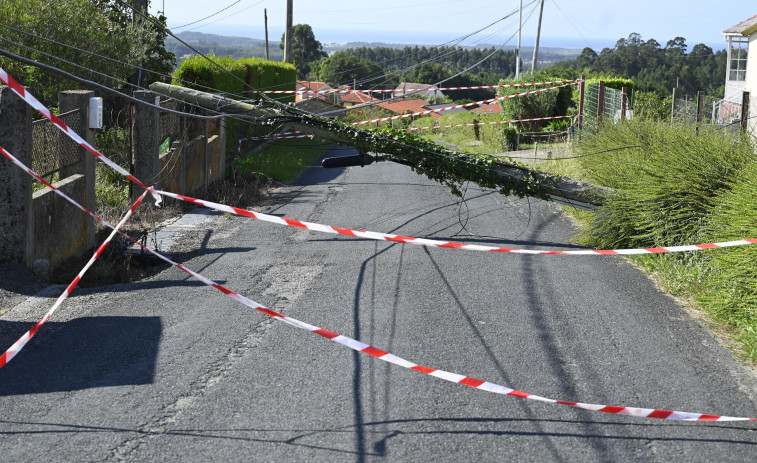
(731,290)
(510,138)
(666,181)
(544,104)
(199,73)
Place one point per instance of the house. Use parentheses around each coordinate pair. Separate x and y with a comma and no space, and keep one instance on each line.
(318,105)
(741,73)
(411,106)
(355,99)
(408,87)
(308,87)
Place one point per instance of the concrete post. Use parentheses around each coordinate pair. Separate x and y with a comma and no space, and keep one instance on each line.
(68,101)
(145,141)
(15,184)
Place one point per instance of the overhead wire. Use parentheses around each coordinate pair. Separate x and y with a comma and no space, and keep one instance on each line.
(443,53)
(209,16)
(441,81)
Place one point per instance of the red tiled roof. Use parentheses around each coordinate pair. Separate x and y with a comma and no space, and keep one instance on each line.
(414,105)
(312,85)
(357,98)
(489,108)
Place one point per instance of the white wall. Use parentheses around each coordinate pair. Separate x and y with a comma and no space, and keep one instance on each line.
(751,81)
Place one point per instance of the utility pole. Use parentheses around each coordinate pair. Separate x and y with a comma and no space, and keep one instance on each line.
(517,52)
(288,34)
(138,6)
(538,35)
(265,17)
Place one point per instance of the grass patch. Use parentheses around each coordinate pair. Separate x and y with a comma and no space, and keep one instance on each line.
(282,160)
(483,139)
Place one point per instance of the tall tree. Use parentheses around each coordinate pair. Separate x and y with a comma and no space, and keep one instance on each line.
(97,26)
(305,49)
(345,68)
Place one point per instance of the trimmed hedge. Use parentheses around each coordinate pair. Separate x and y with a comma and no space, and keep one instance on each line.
(197,72)
(200,74)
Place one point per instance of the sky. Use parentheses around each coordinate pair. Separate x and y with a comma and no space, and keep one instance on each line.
(566,23)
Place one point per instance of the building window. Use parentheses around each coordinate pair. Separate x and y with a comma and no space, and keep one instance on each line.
(737,51)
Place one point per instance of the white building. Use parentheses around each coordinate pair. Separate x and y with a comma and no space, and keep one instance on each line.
(741,73)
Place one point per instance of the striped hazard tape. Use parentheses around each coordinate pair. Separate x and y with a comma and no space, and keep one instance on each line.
(405,90)
(353,343)
(467,105)
(34,103)
(437,243)
(346,231)
(277,136)
(23,340)
(512,121)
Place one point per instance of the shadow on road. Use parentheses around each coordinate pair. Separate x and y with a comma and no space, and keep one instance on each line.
(80,354)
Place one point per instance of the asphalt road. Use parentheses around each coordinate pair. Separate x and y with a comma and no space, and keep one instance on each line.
(169,370)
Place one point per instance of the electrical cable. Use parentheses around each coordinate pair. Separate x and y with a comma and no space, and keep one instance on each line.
(81,80)
(210,16)
(441,81)
(221,19)
(133,66)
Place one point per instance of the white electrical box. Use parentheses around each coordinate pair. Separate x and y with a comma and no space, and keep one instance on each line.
(96,113)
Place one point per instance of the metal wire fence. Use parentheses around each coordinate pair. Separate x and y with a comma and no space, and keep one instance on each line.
(52,150)
(612,105)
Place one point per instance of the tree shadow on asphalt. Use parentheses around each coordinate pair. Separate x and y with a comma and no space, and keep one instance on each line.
(645,432)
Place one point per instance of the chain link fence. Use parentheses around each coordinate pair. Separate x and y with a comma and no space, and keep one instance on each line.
(52,150)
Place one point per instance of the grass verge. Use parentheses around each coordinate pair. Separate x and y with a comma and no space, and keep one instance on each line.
(282,160)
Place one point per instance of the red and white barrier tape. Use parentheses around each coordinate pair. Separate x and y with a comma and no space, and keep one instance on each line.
(34,103)
(350,232)
(357,345)
(18,345)
(467,105)
(279,136)
(406,90)
(544,135)
(436,243)
(512,121)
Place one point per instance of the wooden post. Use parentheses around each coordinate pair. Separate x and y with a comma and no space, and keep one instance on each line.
(623,103)
(265,18)
(673,107)
(700,108)
(582,88)
(288,34)
(744,111)
(600,101)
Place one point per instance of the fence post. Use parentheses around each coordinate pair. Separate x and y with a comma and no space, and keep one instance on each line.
(744,111)
(582,89)
(673,108)
(68,101)
(623,103)
(15,185)
(145,141)
(600,102)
